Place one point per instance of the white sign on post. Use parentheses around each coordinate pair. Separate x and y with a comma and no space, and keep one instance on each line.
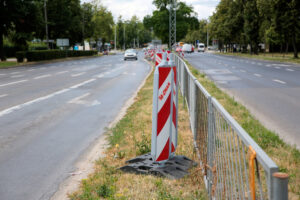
(62,42)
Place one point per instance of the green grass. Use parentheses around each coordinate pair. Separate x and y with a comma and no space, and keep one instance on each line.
(285,156)
(277,57)
(7,64)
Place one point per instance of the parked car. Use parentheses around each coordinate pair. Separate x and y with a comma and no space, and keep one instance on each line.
(130,54)
(187,48)
(201,47)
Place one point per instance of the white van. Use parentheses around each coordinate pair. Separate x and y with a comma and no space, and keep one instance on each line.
(187,48)
(201,47)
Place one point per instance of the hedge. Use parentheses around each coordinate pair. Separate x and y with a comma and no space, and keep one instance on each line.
(55,54)
(20,55)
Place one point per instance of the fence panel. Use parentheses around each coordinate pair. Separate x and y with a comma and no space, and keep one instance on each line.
(233,165)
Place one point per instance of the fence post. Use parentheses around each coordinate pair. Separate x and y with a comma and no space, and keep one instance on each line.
(280,184)
(209,145)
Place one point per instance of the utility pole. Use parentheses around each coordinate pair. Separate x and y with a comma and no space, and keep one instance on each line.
(83,31)
(172,24)
(124,37)
(46,23)
(207,36)
(116,38)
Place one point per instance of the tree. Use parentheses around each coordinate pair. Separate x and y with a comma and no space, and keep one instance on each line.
(22,19)
(87,12)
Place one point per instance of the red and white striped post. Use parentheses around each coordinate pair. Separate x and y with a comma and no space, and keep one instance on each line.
(162,112)
(175,103)
(158,58)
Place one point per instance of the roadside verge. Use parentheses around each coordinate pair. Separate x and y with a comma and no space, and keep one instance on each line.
(130,137)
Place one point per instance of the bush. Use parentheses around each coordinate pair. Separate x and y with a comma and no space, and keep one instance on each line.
(9,51)
(20,55)
(55,54)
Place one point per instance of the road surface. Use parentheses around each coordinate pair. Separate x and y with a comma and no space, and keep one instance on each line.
(51,113)
(270,90)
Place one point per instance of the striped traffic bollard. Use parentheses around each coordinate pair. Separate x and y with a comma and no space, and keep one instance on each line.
(175,103)
(162,111)
(158,58)
(168,55)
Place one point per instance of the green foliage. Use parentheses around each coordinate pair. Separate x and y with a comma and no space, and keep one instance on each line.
(55,54)
(143,146)
(20,55)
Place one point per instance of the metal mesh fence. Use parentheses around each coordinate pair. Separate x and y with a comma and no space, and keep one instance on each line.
(233,165)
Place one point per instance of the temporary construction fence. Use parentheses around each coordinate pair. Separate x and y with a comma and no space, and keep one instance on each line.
(233,164)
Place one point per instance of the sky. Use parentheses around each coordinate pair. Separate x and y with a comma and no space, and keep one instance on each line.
(141,8)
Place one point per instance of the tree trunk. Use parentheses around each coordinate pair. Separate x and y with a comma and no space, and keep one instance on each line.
(295,46)
(1,47)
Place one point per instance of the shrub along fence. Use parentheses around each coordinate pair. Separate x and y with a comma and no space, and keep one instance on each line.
(51,54)
(233,165)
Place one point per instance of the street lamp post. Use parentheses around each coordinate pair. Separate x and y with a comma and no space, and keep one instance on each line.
(124,38)
(116,38)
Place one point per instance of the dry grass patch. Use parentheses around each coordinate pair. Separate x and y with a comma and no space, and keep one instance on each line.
(132,137)
(285,156)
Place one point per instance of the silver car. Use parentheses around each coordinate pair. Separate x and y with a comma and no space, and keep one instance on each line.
(130,54)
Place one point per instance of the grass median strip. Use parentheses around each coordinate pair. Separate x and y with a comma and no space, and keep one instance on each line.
(7,64)
(132,137)
(285,156)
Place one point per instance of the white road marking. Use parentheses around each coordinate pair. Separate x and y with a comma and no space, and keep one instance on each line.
(12,83)
(291,70)
(62,72)
(2,74)
(258,75)
(100,75)
(43,68)
(253,63)
(277,67)
(83,83)
(268,65)
(43,76)
(20,106)
(242,70)
(233,67)
(17,76)
(30,70)
(79,100)
(79,74)
(279,81)
(3,95)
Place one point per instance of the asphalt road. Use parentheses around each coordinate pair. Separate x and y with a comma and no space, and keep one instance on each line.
(270,90)
(51,113)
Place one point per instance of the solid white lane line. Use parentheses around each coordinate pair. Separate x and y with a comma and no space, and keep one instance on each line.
(20,106)
(43,76)
(3,95)
(83,83)
(12,83)
(17,76)
(258,75)
(291,70)
(79,74)
(279,81)
(62,72)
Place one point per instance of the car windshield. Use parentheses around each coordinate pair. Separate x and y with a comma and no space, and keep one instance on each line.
(130,51)
(201,46)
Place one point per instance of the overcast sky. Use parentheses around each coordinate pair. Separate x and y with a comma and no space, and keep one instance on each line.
(140,8)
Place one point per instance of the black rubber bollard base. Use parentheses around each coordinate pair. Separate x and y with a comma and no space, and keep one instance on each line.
(175,168)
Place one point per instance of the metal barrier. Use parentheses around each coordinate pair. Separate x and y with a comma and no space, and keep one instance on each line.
(233,165)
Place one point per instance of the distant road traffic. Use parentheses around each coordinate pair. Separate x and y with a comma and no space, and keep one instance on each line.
(51,113)
(271,90)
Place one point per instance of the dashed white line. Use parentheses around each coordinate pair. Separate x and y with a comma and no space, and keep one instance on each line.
(277,67)
(30,70)
(3,95)
(17,76)
(2,74)
(279,81)
(242,70)
(259,63)
(291,70)
(62,72)
(79,74)
(83,83)
(258,75)
(20,106)
(43,76)
(13,83)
